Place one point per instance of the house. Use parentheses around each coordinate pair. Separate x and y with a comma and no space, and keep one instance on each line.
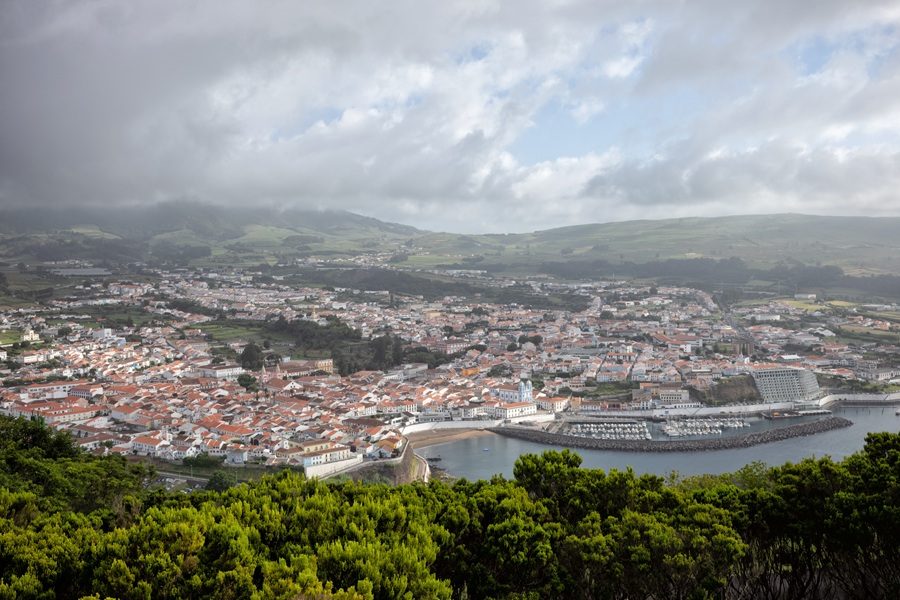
(87,391)
(512,410)
(283,386)
(333,453)
(469,411)
(147,445)
(236,454)
(554,404)
(124,413)
(222,372)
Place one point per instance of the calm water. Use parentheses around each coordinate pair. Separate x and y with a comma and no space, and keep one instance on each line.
(482,457)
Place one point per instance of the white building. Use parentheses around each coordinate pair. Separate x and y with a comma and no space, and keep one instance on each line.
(785,384)
(674,396)
(229,372)
(333,453)
(553,404)
(511,410)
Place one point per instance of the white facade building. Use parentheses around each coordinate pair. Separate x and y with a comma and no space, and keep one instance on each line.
(784,384)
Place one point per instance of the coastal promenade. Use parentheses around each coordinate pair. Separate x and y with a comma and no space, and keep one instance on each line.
(719,443)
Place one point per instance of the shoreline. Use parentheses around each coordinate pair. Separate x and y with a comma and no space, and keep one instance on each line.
(722,443)
(424,439)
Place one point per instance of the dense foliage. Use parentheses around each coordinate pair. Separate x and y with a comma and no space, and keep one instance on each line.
(555,531)
(385,352)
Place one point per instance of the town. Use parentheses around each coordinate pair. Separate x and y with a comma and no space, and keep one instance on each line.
(244,368)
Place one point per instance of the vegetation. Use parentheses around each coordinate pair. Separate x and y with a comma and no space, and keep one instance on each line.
(72,525)
(251,357)
(308,335)
(385,352)
(739,389)
(433,287)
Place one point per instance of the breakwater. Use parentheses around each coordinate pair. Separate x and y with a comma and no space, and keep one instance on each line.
(720,443)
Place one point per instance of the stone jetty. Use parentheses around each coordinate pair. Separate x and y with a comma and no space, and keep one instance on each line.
(719,443)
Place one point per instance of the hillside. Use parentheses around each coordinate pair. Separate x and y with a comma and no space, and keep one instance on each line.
(189,231)
(205,234)
(859,245)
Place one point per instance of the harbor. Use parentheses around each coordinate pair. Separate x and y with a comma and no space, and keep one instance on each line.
(702,427)
(611,430)
(467,458)
(693,445)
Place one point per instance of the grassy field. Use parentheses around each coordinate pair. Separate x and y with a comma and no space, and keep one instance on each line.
(227,332)
(12,302)
(807,306)
(230,331)
(887,315)
(856,333)
(119,314)
(94,232)
(10,336)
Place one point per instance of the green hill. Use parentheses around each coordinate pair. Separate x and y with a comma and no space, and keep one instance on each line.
(234,235)
(859,245)
(189,231)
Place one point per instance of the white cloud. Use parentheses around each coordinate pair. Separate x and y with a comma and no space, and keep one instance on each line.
(412,111)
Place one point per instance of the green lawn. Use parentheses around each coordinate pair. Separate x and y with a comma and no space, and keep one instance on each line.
(855,333)
(227,332)
(10,336)
(807,306)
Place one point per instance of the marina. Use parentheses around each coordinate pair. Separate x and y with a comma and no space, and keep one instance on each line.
(702,427)
(465,457)
(612,430)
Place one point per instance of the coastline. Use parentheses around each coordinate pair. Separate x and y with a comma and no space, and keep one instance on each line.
(433,437)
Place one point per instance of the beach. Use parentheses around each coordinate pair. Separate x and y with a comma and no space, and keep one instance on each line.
(422,439)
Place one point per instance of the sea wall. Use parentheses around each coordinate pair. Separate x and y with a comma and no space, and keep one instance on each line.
(442,425)
(718,443)
(848,399)
(327,469)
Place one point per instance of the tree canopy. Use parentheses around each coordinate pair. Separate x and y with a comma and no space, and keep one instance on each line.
(74,525)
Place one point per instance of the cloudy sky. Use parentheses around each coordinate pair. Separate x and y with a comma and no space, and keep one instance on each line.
(461,116)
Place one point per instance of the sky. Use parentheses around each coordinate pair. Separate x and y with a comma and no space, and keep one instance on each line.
(466,116)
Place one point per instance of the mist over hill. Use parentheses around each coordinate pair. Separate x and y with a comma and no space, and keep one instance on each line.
(206,220)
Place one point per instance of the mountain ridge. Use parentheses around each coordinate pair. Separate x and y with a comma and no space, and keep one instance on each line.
(862,245)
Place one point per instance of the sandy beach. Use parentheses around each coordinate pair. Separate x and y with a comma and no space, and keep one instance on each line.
(439,436)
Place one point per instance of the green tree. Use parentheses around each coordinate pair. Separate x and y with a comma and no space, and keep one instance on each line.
(247,381)
(251,357)
(221,481)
